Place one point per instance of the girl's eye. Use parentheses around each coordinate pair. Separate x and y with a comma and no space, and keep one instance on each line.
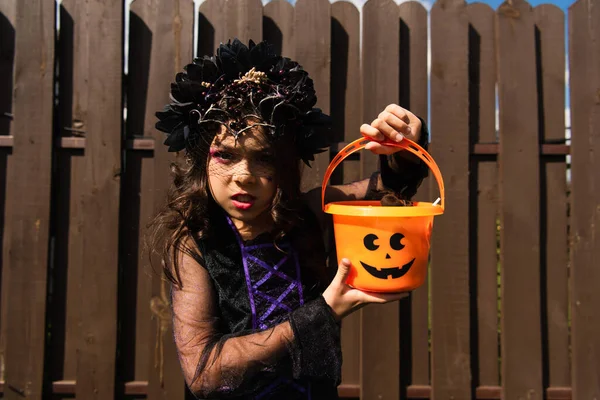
(223,155)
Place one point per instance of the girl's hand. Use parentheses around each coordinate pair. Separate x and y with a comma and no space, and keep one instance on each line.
(344,300)
(393,123)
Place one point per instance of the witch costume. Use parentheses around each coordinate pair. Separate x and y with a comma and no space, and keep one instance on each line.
(249,287)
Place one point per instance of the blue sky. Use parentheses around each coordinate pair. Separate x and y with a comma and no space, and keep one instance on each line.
(564,4)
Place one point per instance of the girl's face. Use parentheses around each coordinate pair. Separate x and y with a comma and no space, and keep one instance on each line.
(241,175)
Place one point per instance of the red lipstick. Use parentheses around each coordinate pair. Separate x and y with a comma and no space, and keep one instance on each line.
(242,201)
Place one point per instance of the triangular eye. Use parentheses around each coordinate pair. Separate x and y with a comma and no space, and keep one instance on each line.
(369,242)
(395,241)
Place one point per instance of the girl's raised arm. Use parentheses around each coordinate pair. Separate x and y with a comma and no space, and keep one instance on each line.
(399,171)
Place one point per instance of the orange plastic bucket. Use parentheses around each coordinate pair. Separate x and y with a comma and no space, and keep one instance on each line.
(387,246)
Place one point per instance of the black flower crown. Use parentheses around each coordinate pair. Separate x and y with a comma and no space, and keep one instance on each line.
(242,82)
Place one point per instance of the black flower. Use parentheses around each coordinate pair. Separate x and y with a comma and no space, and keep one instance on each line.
(241,81)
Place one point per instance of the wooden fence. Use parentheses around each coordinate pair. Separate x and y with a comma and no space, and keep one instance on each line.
(83,316)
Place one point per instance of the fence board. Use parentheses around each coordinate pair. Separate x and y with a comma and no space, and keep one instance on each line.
(414,341)
(451,369)
(519,181)
(482,126)
(584,64)
(278,27)
(212,29)
(346,112)
(380,367)
(380,65)
(244,20)
(550,42)
(136,203)
(27,217)
(69,257)
(172,41)
(7,52)
(313,52)
(98,202)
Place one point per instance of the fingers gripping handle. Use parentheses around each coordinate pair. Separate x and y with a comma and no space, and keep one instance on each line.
(405,144)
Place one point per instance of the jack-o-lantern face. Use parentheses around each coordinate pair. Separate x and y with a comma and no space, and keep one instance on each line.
(371,243)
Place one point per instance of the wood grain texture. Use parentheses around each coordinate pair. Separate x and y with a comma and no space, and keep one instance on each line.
(313,52)
(346,103)
(278,27)
(171,25)
(8,11)
(450,320)
(413,95)
(550,42)
(482,126)
(380,368)
(244,20)
(27,208)
(95,215)
(212,28)
(519,179)
(584,67)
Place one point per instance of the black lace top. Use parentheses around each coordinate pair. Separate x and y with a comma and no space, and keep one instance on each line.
(256,289)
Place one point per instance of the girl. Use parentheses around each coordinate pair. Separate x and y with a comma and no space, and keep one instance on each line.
(256,315)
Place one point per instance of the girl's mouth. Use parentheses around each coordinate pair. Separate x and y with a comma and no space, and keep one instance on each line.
(242,201)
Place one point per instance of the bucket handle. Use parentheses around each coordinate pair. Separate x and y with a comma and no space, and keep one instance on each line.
(405,144)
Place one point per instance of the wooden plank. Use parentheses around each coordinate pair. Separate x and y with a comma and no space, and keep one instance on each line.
(346,90)
(211,27)
(313,53)
(6,141)
(348,391)
(380,365)
(69,256)
(482,126)
(136,284)
(7,59)
(346,112)
(96,217)
(413,81)
(174,42)
(450,358)
(244,20)
(519,181)
(278,27)
(143,144)
(71,142)
(380,75)
(584,67)
(550,42)
(27,208)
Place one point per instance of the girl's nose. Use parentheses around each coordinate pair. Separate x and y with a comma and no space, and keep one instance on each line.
(244,179)
(243,175)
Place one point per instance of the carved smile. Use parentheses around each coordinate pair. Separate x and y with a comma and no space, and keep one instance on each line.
(388,273)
